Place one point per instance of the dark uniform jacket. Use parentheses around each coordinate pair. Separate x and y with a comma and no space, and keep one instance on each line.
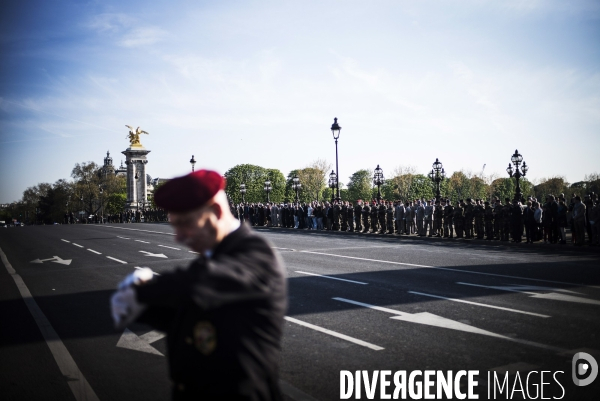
(224,319)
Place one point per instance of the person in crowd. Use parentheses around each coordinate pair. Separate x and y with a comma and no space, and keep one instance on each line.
(529,222)
(561,218)
(429,211)
(579,221)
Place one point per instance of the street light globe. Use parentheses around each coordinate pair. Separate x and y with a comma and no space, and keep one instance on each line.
(517,158)
(509,170)
(335,129)
(437,165)
(332,179)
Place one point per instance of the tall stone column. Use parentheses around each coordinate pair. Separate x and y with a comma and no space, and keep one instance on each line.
(135,159)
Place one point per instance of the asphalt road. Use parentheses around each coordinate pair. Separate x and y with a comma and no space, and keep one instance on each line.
(355,303)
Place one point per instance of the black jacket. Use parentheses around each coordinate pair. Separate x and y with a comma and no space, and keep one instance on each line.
(224,319)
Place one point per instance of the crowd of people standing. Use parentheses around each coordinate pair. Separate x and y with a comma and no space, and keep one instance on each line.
(152,215)
(531,221)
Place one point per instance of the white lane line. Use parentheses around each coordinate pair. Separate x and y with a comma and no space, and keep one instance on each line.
(123,237)
(139,240)
(478,304)
(194,252)
(449,269)
(96,252)
(65,240)
(137,229)
(357,247)
(75,379)
(170,247)
(379,308)
(333,278)
(335,334)
(117,260)
(81,246)
(552,295)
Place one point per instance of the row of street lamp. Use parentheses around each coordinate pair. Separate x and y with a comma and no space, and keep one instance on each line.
(436,175)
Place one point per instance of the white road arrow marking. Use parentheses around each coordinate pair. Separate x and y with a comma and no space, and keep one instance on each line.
(156,255)
(130,340)
(552,295)
(54,259)
(430,319)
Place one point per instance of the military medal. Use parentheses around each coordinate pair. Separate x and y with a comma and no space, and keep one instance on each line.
(205,337)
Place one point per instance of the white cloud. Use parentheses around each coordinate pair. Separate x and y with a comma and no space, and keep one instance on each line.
(143,36)
(110,22)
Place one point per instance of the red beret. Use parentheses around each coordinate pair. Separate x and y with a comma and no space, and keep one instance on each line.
(189,192)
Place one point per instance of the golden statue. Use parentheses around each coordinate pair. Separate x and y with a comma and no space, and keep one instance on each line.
(134,137)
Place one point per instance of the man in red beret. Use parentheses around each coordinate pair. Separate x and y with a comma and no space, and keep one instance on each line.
(224,313)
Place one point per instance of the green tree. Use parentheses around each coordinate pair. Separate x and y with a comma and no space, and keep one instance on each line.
(551,186)
(592,183)
(254,178)
(503,188)
(87,185)
(421,187)
(115,198)
(55,204)
(31,198)
(359,186)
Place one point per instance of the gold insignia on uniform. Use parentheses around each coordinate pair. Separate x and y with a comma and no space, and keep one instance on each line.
(205,337)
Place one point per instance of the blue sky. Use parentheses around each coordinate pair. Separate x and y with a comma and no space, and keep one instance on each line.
(260,82)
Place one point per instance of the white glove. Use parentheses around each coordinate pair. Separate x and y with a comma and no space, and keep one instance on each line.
(124,305)
(137,277)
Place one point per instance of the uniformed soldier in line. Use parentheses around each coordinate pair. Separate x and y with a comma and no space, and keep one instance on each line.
(428,220)
(498,220)
(506,213)
(336,216)
(358,216)
(344,216)
(448,215)
(374,217)
(469,219)
(399,215)
(459,219)
(516,221)
(437,218)
(350,214)
(366,214)
(382,210)
(390,217)
(489,221)
(224,313)
(479,212)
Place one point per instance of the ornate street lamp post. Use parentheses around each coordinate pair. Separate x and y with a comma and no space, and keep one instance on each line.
(268,190)
(81,215)
(332,183)
(437,175)
(243,192)
(335,130)
(296,186)
(193,163)
(378,180)
(101,203)
(517,159)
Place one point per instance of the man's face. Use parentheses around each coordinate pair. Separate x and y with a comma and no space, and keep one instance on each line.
(196,229)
